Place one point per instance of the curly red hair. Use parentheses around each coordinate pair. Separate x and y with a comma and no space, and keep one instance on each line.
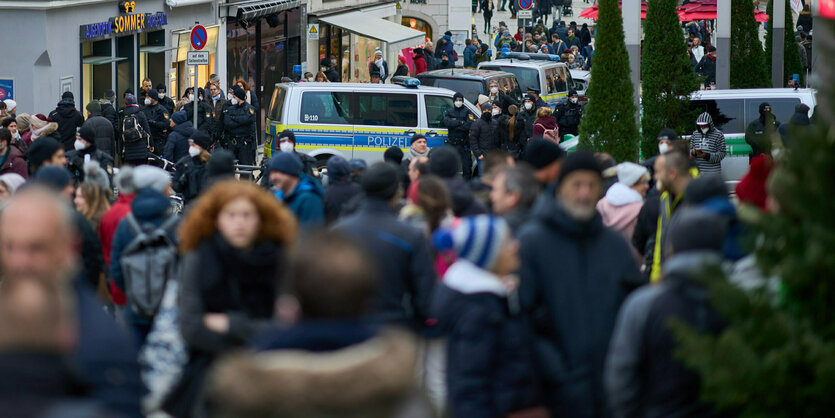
(277,222)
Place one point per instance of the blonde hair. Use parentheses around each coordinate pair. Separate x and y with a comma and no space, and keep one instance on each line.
(543,112)
(97,201)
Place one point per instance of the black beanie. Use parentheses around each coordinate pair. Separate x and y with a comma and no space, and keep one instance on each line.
(696,229)
(380,181)
(43,149)
(239,92)
(667,133)
(457,96)
(541,153)
(87,133)
(201,139)
(703,188)
(53,177)
(160,86)
(393,155)
(444,162)
(579,160)
(415,138)
(67,95)
(222,163)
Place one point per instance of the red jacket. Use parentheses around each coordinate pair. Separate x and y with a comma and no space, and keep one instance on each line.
(15,162)
(542,124)
(420,64)
(107,229)
(751,188)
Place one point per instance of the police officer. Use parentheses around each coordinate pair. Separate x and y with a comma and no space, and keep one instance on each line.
(206,121)
(458,121)
(157,119)
(538,102)
(568,115)
(85,145)
(164,100)
(239,127)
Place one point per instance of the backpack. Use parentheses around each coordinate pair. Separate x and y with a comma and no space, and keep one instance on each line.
(132,130)
(550,134)
(148,262)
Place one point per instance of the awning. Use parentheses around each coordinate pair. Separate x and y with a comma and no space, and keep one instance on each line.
(251,10)
(180,3)
(397,36)
(101,60)
(156,49)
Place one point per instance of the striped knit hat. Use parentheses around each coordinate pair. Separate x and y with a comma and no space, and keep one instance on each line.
(478,239)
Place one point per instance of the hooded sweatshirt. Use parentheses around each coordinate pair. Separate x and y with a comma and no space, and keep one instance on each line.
(620,208)
(68,118)
(305,201)
(712,143)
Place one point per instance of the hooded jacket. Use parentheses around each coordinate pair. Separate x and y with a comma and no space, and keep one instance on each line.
(189,177)
(176,147)
(574,277)
(75,160)
(491,370)
(543,124)
(759,131)
(483,135)
(458,122)
(105,137)
(643,377)
(713,143)
(420,64)
(68,119)
(305,201)
(619,209)
(136,150)
(528,117)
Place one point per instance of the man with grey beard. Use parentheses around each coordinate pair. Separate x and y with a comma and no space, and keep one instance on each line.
(575,273)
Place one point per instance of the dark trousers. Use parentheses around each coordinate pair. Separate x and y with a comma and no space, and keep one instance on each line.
(242,148)
(466,160)
(159,146)
(135,163)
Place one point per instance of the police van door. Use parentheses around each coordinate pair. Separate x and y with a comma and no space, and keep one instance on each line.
(325,124)
(434,108)
(384,120)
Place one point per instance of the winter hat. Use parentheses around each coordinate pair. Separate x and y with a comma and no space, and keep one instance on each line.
(393,155)
(380,181)
(150,176)
(287,134)
(579,161)
(161,86)
(486,106)
(53,177)
(43,149)
(288,163)
(457,96)
(93,173)
(110,95)
(478,239)
(482,99)
(239,92)
(378,52)
(751,188)
(415,137)
(23,122)
(630,173)
(87,133)
(124,180)
(12,181)
(338,168)
(179,117)
(325,62)
(703,188)
(448,33)
(152,94)
(130,99)
(67,95)
(696,229)
(201,139)
(358,164)
(572,92)
(94,107)
(540,153)
(222,164)
(10,105)
(667,133)
(127,91)
(444,162)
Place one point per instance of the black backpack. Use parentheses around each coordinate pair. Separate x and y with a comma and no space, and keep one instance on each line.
(132,130)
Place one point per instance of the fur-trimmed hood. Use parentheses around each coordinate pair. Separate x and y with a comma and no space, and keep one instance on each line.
(369,380)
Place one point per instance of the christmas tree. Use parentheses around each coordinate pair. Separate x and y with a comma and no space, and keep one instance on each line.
(748,68)
(667,76)
(608,123)
(791,54)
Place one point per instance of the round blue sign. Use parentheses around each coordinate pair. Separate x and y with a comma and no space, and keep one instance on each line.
(198,37)
(525,4)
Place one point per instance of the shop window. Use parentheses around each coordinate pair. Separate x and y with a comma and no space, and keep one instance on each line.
(418,24)
(387,109)
(326,107)
(436,107)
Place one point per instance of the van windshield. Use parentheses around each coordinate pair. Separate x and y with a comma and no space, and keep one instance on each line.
(277,105)
(527,77)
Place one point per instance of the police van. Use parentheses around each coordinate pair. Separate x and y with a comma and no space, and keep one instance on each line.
(356,120)
(543,72)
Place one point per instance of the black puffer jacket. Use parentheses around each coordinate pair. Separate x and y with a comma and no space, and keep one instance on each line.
(105,138)
(177,145)
(68,119)
(137,150)
(189,177)
(528,118)
(483,135)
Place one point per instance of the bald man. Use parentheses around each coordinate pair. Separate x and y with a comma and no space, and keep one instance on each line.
(38,239)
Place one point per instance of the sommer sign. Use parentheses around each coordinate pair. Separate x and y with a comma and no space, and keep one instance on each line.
(124,24)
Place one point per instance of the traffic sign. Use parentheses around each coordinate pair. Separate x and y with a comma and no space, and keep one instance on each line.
(312,31)
(525,14)
(525,4)
(197,58)
(199,36)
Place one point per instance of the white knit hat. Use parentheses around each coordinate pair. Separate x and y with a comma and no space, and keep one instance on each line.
(630,173)
(10,104)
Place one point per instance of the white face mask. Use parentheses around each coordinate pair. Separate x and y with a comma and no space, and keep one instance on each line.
(147,101)
(704,129)
(324,69)
(310,79)
(286,146)
(459,103)
(191,97)
(193,151)
(79,145)
(234,101)
(216,96)
(496,112)
(528,106)
(663,148)
(494,90)
(161,95)
(573,100)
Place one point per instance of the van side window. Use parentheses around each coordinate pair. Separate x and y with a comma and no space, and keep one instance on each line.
(563,76)
(436,106)
(783,109)
(277,105)
(728,114)
(550,80)
(387,109)
(326,107)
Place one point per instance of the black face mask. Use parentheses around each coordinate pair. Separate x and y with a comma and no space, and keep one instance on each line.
(487,115)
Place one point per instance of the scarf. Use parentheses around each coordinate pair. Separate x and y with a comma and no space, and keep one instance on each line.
(379,64)
(414,154)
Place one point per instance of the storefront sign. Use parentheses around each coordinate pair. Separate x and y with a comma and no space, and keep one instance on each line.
(6,88)
(124,24)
